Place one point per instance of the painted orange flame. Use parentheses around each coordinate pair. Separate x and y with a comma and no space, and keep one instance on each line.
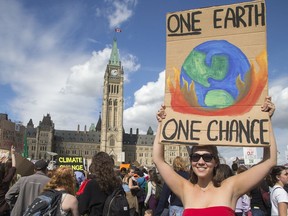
(258,81)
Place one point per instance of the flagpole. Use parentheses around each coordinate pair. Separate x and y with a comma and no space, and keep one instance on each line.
(25,150)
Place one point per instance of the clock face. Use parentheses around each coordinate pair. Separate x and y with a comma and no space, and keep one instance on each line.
(114,72)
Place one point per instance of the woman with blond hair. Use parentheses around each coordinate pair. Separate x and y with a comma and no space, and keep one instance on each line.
(63,180)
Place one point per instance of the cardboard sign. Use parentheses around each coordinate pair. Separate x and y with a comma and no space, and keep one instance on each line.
(75,162)
(250,155)
(24,167)
(216,76)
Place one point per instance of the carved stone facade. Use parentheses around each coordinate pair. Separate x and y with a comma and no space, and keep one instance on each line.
(112,107)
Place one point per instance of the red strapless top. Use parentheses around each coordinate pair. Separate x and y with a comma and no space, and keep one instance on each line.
(209,211)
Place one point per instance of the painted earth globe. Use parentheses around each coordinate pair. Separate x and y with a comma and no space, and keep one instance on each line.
(214,67)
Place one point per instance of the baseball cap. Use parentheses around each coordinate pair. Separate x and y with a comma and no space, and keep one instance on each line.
(40,165)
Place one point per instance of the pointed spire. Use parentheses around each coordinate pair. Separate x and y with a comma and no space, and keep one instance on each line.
(150,131)
(30,124)
(98,126)
(114,57)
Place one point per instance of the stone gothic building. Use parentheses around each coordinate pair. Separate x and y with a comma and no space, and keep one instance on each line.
(108,135)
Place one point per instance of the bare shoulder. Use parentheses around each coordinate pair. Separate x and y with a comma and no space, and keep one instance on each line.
(70,199)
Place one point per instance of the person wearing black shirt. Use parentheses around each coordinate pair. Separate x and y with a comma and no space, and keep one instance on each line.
(260,206)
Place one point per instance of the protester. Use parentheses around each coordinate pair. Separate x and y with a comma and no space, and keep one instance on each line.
(234,167)
(145,172)
(129,185)
(123,172)
(63,180)
(7,172)
(176,206)
(151,201)
(84,183)
(102,184)
(276,179)
(28,188)
(141,194)
(80,177)
(199,195)
(223,172)
(260,203)
(243,203)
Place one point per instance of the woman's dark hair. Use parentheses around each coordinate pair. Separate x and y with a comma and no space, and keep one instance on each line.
(274,173)
(144,170)
(153,176)
(102,167)
(241,169)
(214,152)
(139,172)
(223,172)
(234,167)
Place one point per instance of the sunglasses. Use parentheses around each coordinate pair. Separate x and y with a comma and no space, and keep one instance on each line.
(206,157)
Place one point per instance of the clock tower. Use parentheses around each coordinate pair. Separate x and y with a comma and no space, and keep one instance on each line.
(112,107)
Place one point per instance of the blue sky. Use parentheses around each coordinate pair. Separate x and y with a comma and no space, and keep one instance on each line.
(54,53)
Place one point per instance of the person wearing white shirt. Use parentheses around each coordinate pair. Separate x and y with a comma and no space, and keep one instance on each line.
(277,178)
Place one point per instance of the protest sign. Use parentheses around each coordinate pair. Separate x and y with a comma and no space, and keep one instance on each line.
(75,162)
(216,76)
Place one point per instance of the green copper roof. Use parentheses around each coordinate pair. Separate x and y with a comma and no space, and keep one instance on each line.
(114,57)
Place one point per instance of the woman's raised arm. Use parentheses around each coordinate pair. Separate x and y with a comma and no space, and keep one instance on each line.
(171,178)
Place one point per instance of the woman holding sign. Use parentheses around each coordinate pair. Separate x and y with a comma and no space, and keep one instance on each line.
(201,195)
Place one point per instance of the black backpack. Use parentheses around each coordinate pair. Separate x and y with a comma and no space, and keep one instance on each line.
(116,204)
(46,204)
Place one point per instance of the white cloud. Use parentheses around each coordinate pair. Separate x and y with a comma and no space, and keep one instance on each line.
(279,92)
(46,76)
(87,78)
(147,101)
(117,12)
(130,64)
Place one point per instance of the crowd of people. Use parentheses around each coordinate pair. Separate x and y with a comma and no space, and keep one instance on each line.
(199,186)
